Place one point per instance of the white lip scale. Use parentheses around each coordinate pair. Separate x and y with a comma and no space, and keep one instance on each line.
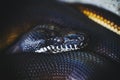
(58,49)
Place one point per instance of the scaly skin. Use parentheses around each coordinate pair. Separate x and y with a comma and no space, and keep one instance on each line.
(100,60)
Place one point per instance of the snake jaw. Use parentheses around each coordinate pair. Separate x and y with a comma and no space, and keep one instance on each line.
(59,49)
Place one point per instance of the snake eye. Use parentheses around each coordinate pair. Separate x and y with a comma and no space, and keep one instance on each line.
(50,38)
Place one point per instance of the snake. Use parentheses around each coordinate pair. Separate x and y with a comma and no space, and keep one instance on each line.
(51,40)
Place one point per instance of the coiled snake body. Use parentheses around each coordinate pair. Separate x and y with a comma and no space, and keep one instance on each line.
(99,59)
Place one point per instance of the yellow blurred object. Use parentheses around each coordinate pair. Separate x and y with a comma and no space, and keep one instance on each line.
(101,20)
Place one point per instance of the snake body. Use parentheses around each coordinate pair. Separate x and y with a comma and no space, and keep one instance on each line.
(99,60)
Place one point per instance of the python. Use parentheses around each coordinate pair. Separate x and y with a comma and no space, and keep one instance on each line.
(99,59)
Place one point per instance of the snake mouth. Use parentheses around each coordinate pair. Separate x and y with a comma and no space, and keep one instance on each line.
(60,48)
